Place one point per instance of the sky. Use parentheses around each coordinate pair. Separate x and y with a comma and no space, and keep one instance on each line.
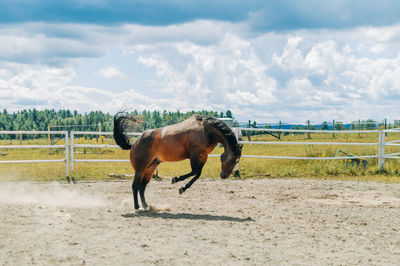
(267,61)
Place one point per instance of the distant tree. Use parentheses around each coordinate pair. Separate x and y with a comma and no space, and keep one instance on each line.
(339,126)
(369,124)
(228,114)
(41,120)
(156,119)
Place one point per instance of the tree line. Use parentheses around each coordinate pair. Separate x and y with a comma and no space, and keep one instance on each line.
(62,120)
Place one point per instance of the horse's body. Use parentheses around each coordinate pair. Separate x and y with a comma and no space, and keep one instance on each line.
(191,139)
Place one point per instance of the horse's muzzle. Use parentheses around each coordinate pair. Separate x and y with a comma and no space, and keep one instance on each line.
(223,176)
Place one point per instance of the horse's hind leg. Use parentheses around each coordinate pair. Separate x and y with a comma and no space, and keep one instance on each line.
(146,179)
(142,188)
(135,188)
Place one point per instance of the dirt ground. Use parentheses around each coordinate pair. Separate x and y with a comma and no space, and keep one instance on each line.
(219,222)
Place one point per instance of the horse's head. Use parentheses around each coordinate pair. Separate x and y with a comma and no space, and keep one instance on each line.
(229,159)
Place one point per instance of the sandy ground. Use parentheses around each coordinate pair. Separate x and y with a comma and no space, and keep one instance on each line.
(219,222)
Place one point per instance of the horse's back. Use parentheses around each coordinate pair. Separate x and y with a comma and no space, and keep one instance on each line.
(176,142)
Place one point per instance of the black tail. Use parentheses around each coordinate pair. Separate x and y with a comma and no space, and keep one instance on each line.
(121,121)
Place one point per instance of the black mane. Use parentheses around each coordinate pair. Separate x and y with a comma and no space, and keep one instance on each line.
(226,131)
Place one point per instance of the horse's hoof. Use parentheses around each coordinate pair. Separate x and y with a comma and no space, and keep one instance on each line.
(174,180)
(181,190)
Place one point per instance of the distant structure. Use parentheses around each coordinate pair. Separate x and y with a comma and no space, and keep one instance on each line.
(355,161)
(228,121)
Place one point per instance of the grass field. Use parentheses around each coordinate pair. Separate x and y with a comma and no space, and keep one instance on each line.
(249,167)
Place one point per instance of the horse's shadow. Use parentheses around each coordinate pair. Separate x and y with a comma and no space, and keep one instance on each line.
(186,216)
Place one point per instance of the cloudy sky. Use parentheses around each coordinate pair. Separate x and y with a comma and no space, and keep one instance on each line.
(289,60)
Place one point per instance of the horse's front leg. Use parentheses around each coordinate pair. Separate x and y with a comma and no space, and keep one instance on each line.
(197,162)
(183,189)
(198,168)
(182,177)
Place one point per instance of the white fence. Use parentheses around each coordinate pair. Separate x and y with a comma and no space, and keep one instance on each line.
(74,145)
(392,143)
(65,147)
(381,144)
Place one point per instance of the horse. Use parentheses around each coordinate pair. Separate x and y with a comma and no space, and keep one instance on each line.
(194,139)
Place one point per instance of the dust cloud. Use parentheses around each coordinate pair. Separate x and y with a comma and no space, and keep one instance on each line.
(54,195)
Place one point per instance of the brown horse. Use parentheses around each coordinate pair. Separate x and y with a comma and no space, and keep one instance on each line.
(191,139)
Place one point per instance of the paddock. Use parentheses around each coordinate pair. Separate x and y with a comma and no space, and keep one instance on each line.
(229,222)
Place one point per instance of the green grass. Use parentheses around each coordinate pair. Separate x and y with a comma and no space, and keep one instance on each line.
(249,167)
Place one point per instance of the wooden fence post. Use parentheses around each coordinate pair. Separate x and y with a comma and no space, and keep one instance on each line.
(385,126)
(381,152)
(48,136)
(248,132)
(280,127)
(101,140)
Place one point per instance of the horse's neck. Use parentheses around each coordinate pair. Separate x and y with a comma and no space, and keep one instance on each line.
(220,138)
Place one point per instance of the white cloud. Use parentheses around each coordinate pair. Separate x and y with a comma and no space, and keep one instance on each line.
(330,75)
(291,57)
(290,76)
(111,72)
(223,75)
(27,44)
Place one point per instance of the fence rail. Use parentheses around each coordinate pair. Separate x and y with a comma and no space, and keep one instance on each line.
(29,146)
(310,130)
(311,143)
(309,158)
